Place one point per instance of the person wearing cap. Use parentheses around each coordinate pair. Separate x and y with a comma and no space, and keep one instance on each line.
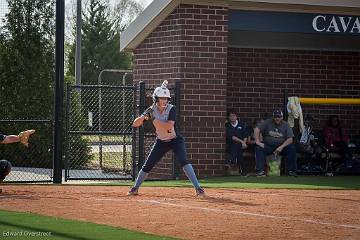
(277,139)
(163,117)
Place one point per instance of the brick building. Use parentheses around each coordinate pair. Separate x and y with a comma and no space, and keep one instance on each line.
(246,55)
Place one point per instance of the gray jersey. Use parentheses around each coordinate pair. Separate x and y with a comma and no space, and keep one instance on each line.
(274,134)
(168,114)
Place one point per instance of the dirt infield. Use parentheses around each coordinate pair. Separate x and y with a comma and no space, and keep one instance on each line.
(224,214)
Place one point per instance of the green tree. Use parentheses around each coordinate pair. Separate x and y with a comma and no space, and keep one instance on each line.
(27,59)
(26,75)
(102,26)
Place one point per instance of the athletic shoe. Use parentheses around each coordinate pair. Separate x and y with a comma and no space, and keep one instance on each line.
(292,174)
(244,175)
(261,174)
(200,192)
(133,191)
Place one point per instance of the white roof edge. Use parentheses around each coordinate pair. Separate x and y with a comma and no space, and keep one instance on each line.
(149,18)
(158,10)
(325,3)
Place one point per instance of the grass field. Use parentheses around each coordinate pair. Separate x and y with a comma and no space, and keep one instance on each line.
(112,160)
(15,225)
(301,182)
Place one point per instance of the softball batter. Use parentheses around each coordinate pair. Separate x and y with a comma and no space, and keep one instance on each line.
(163,115)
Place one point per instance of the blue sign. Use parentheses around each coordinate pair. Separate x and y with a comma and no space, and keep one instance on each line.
(294,22)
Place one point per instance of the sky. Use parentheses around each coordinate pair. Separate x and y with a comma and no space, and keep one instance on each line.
(70,10)
(144,2)
(3,10)
(3,6)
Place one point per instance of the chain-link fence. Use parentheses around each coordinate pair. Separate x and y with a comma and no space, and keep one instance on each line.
(99,132)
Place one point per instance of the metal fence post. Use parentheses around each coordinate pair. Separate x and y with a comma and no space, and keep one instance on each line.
(99,126)
(285,112)
(67,127)
(141,129)
(133,149)
(123,120)
(59,91)
(176,170)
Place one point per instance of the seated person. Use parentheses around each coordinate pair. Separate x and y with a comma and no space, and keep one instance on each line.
(308,144)
(235,141)
(250,141)
(278,139)
(336,139)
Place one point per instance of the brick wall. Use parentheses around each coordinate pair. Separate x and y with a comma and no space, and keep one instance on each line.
(191,46)
(258,77)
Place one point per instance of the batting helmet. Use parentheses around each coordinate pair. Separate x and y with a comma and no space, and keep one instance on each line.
(5,169)
(162,91)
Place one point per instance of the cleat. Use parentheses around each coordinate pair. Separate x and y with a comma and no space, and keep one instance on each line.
(261,174)
(200,192)
(292,174)
(133,191)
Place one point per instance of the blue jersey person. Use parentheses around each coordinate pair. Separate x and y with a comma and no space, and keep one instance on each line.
(163,115)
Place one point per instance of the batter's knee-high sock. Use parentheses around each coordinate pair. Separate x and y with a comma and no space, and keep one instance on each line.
(140,178)
(189,171)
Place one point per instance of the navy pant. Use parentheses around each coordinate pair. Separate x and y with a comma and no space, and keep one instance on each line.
(235,155)
(289,152)
(160,148)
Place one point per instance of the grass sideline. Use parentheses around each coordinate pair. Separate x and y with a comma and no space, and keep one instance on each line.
(272,182)
(301,182)
(28,226)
